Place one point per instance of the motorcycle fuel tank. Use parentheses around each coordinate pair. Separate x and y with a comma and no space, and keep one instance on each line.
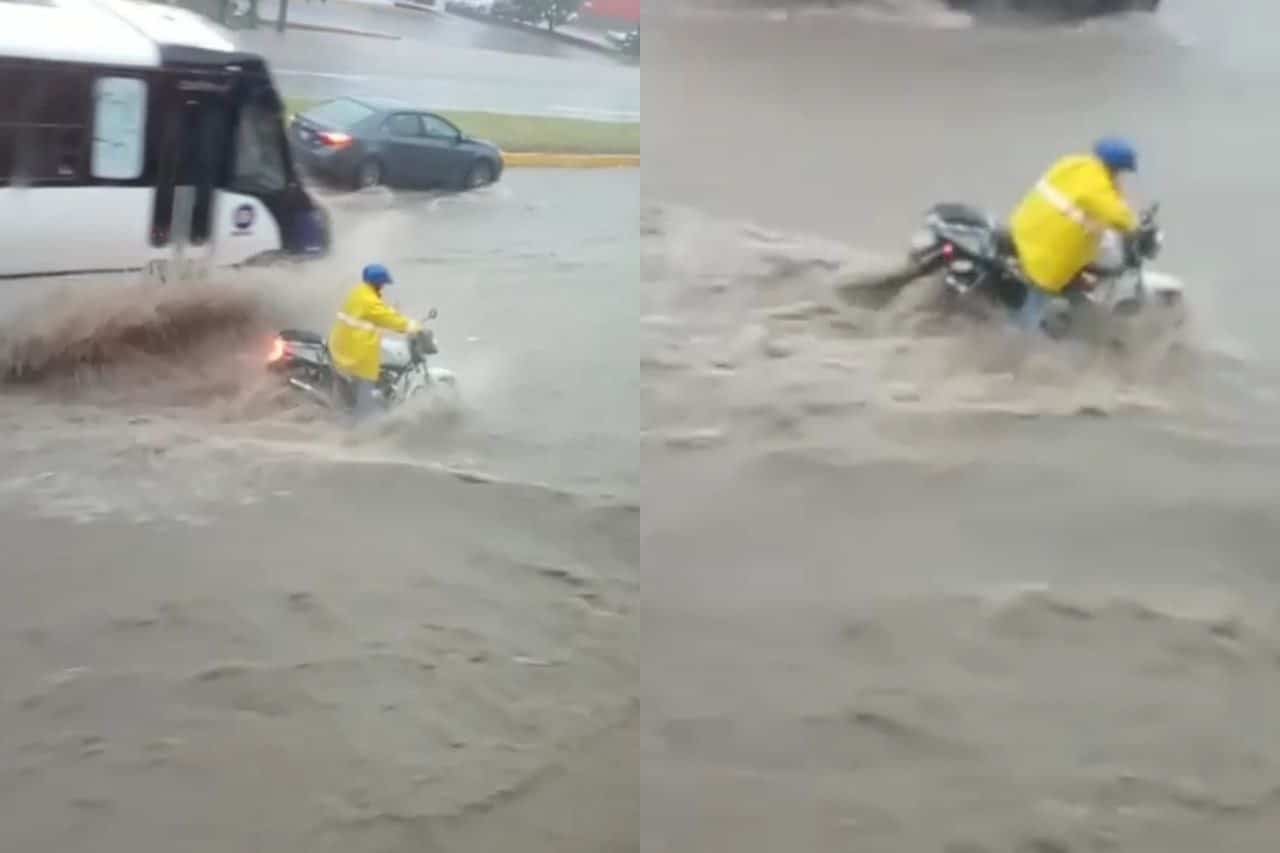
(395,351)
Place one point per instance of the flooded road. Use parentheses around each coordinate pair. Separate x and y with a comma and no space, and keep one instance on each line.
(908,586)
(232,624)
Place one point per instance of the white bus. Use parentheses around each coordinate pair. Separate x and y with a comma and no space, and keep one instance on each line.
(134,137)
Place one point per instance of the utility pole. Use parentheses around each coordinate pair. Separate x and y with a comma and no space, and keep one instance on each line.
(283,16)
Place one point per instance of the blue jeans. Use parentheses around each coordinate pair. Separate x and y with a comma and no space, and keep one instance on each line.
(364,399)
(1030,317)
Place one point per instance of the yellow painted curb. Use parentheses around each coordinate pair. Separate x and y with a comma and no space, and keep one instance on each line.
(570,161)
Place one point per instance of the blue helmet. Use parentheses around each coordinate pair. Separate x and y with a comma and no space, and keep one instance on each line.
(1117,154)
(376,274)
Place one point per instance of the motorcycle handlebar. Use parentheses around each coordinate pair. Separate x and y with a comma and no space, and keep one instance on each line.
(1144,242)
(422,343)
(431,315)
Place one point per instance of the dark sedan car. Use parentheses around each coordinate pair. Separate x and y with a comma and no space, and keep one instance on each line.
(364,142)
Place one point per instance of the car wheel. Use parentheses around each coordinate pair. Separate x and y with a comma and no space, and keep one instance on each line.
(368,174)
(480,174)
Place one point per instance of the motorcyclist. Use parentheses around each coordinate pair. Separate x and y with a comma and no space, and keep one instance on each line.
(355,342)
(1057,227)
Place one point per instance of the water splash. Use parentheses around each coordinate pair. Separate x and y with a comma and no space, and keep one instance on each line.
(786,328)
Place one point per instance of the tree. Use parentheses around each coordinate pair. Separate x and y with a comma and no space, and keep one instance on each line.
(553,13)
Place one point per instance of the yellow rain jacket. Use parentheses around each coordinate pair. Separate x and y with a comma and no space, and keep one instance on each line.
(355,341)
(1057,227)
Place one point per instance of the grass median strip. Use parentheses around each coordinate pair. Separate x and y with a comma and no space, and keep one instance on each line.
(541,134)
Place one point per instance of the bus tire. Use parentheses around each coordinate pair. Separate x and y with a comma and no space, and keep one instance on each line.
(368,174)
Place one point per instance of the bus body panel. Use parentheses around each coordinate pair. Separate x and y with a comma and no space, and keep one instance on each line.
(245,230)
(74,31)
(74,230)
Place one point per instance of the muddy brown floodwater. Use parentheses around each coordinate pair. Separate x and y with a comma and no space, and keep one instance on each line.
(910,585)
(233,624)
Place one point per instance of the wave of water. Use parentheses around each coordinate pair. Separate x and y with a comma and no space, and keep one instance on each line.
(759,332)
(109,375)
(910,586)
(924,584)
(263,629)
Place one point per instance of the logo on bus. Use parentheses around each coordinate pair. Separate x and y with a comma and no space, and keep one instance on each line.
(243,217)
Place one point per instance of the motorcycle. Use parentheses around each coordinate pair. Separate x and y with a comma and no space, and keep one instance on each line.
(302,358)
(976,255)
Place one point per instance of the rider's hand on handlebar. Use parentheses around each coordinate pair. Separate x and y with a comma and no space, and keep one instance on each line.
(416,326)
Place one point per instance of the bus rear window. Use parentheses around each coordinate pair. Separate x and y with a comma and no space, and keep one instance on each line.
(341,113)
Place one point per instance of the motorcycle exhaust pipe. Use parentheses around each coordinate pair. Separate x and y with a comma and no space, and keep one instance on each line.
(310,390)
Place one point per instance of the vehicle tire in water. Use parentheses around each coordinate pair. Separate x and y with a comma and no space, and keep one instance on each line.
(480,174)
(368,174)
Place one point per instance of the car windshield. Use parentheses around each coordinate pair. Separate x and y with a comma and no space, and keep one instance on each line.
(343,113)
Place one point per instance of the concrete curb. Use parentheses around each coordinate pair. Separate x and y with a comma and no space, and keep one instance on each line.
(418,7)
(600,46)
(397,4)
(516,159)
(342,31)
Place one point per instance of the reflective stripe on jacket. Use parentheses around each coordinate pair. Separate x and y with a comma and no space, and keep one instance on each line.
(356,340)
(1057,227)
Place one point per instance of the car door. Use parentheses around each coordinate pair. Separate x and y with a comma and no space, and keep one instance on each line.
(449,157)
(402,147)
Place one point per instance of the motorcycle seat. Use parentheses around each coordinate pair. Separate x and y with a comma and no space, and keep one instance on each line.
(961,214)
(1003,241)
(302,336)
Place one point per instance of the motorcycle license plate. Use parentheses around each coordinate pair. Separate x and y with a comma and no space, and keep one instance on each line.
(923,240)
